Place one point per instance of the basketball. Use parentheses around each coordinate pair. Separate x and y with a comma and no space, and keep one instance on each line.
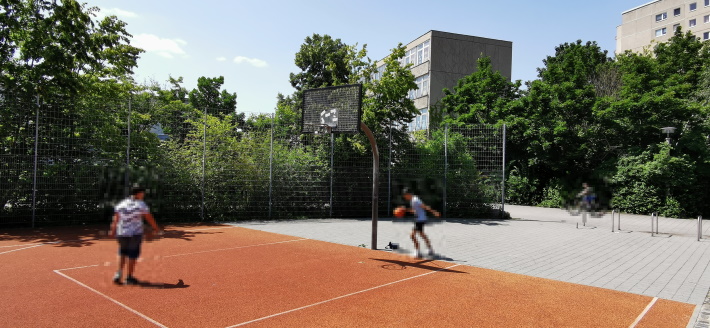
(399,212)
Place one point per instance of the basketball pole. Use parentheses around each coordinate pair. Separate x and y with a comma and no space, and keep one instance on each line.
(375,180)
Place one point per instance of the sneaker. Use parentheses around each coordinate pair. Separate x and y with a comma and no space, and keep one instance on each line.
(132,281)
(418,254)
(117,279)
(431,253)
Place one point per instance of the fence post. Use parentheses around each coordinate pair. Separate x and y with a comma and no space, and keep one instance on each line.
(34,173)
(271,164)
(204,158)
(446,164)
(700,227)
(389,172)
(332,168)
(127,175)
(502,194)
(613,213)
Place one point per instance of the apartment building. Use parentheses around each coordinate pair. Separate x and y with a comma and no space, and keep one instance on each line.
(656,21)
(440,59)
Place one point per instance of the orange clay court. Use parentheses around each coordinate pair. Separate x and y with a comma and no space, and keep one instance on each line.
(225,276)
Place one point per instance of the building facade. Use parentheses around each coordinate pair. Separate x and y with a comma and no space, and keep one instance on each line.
(656,21)
(440,59)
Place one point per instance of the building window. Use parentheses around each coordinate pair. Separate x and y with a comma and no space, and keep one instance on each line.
(707,3)
(426,49)
(378,73)
(417,55)
(706,36)
(420,122)
(661,17)
(691,23)
(693,6)
(676,12)
(422,87)
(660,32)
(706,19)
(675,27)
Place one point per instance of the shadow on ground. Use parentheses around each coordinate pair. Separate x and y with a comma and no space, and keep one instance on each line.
(87,235)
(426,264)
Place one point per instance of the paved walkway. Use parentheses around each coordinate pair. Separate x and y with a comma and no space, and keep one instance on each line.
(552,244)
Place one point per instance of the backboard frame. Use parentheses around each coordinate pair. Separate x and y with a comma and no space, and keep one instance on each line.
(343,100)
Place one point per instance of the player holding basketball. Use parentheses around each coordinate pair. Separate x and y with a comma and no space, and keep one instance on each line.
(419,209)
(127,227)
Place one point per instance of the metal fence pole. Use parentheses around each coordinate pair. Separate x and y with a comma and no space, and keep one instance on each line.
(389,172)
(446,164)
(613,213)
(34,170)
(127,175)
(332,168)
(502,194)
(204,158)
(271,165)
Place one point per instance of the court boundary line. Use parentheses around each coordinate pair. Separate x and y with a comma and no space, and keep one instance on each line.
(339,297)
(107,297)
(136,312)
(236,247)
(643,313)
(28,247)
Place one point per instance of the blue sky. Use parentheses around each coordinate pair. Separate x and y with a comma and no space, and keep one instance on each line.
(253,43)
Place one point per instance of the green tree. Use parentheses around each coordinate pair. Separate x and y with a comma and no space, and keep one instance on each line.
(481,97)
(207,95)
(48,45)
(385,101)
(324,62)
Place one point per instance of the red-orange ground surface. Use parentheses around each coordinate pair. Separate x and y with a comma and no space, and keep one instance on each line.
(223,276)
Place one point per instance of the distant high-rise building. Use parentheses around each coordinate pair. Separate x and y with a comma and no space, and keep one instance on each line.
(440,59)
(656,22)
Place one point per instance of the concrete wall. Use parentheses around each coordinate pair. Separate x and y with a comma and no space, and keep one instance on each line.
(454,56)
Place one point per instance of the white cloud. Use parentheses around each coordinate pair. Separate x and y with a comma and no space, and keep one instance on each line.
(167,48)
(221,59)
(251,61)
(120,13)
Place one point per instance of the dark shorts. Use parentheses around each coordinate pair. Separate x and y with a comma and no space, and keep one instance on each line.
(130,246)
(419,226)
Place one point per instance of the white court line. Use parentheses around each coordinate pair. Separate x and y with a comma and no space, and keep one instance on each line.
(339,297)
(107,297)
(20,245)
(236,247)
(648,307)
(28,247)
(58,271)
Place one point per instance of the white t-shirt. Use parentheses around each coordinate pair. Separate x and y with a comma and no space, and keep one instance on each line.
(417,206)
(130,217)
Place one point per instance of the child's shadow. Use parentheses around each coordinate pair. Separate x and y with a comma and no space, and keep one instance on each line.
(147,284)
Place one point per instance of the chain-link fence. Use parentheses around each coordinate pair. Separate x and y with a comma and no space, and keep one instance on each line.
(70,163)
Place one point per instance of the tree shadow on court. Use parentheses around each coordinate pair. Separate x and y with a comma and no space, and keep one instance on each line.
(419,263)
(147,284)
(88,235)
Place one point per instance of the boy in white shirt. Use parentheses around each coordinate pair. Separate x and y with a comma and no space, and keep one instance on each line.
(127,227)
(419,209)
